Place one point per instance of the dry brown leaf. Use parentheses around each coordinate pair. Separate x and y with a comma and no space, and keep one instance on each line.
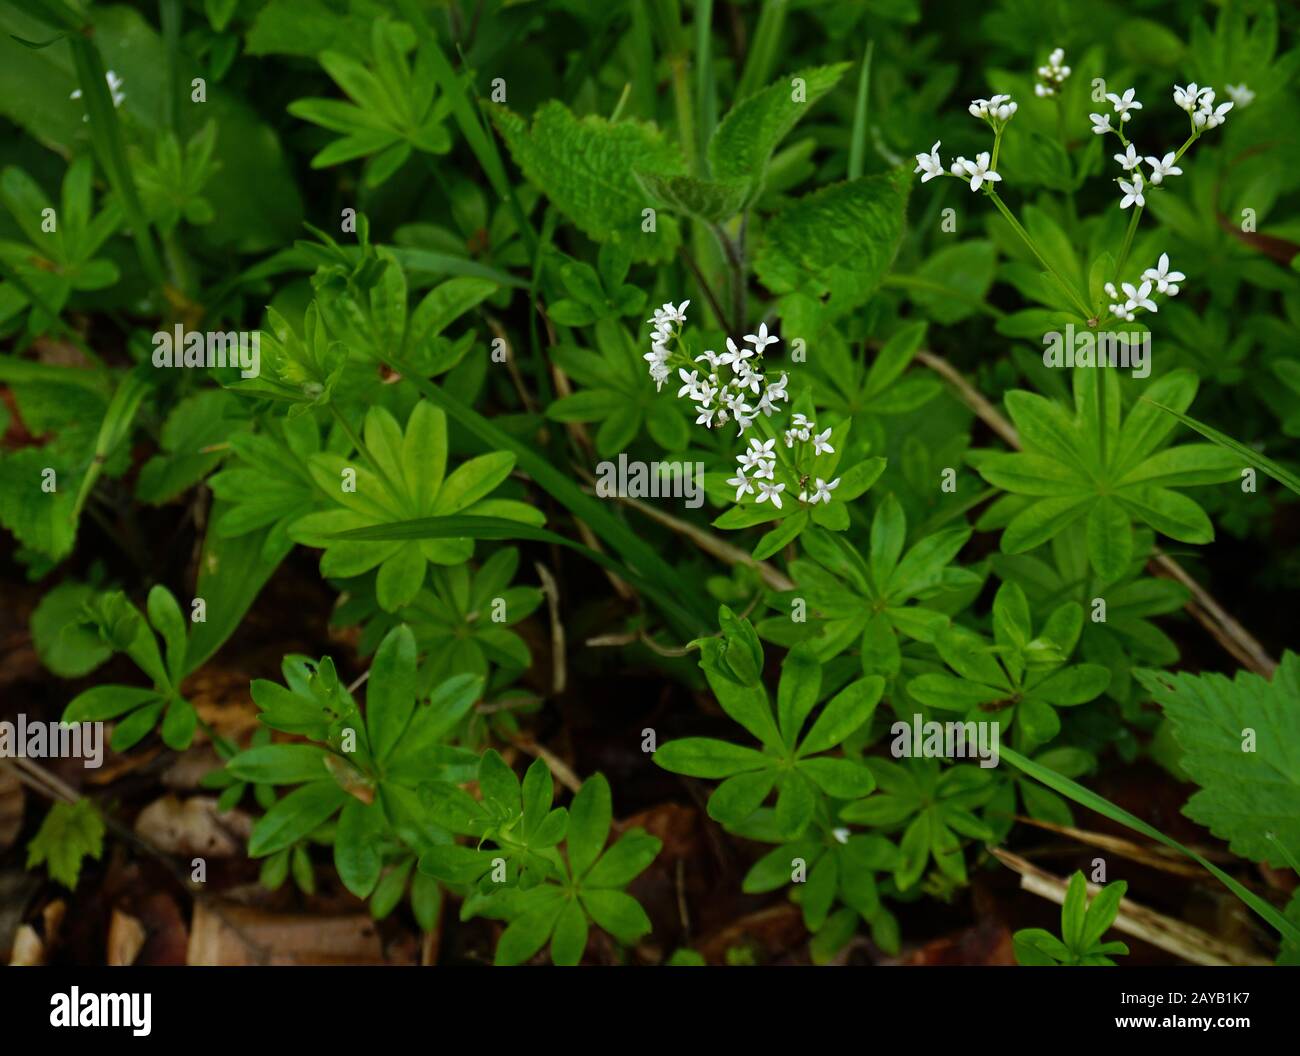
(28,950)
(126,937)
(193,827)
(227,934)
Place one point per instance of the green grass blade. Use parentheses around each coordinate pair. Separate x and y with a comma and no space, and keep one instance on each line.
(1086,798)
(470,527)
(1265,465)
(763,49)
(467,117)
(115,427)
(110,147)
(858,142)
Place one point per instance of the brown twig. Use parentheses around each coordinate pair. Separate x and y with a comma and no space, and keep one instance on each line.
(1182,940)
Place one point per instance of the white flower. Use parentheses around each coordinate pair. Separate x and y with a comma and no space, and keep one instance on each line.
(1111,292)
(979,108)
(1138,297)
(747,378)
(822,493)
(821,443)
(741,484)
(1121,311)
(1132,192)
(1208,116)
(1123,104)
(711,358)
(1130,160)
(761,340)
(706,416)
(1100,123)
(978,171)
(1238,93)
(757,454)
(1188,97)
(790,437)
(841,834)
(745,415)
(734,355)
(773,394)
(1166,281)
(1162,167)
(690,383)
(770,491)
(798,419)
(929,163)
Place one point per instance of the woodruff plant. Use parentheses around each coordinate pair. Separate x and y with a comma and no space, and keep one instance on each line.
(459,332)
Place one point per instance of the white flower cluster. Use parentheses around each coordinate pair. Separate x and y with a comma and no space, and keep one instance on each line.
(760,460)
(997,112)
(1199,102)
(1135,297)
(1053,75)
(668,322)
(717,401)
(977,171)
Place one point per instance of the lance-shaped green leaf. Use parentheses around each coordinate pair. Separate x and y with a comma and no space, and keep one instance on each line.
(1087,467)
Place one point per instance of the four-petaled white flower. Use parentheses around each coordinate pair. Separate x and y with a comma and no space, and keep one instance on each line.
(1132,192)
(761,340)
(1138,297)
(822,493)
(1162,167)
(929,163)
(1130,160)
(1100,123)
(978,171)
(979,108)
(756,454)
(821,443)
(1166,281)
(1239,94)
(741,484)
(770,491)
(1122,104)
(734,354)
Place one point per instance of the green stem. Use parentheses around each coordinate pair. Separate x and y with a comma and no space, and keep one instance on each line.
(1024,235)
(1128,241)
